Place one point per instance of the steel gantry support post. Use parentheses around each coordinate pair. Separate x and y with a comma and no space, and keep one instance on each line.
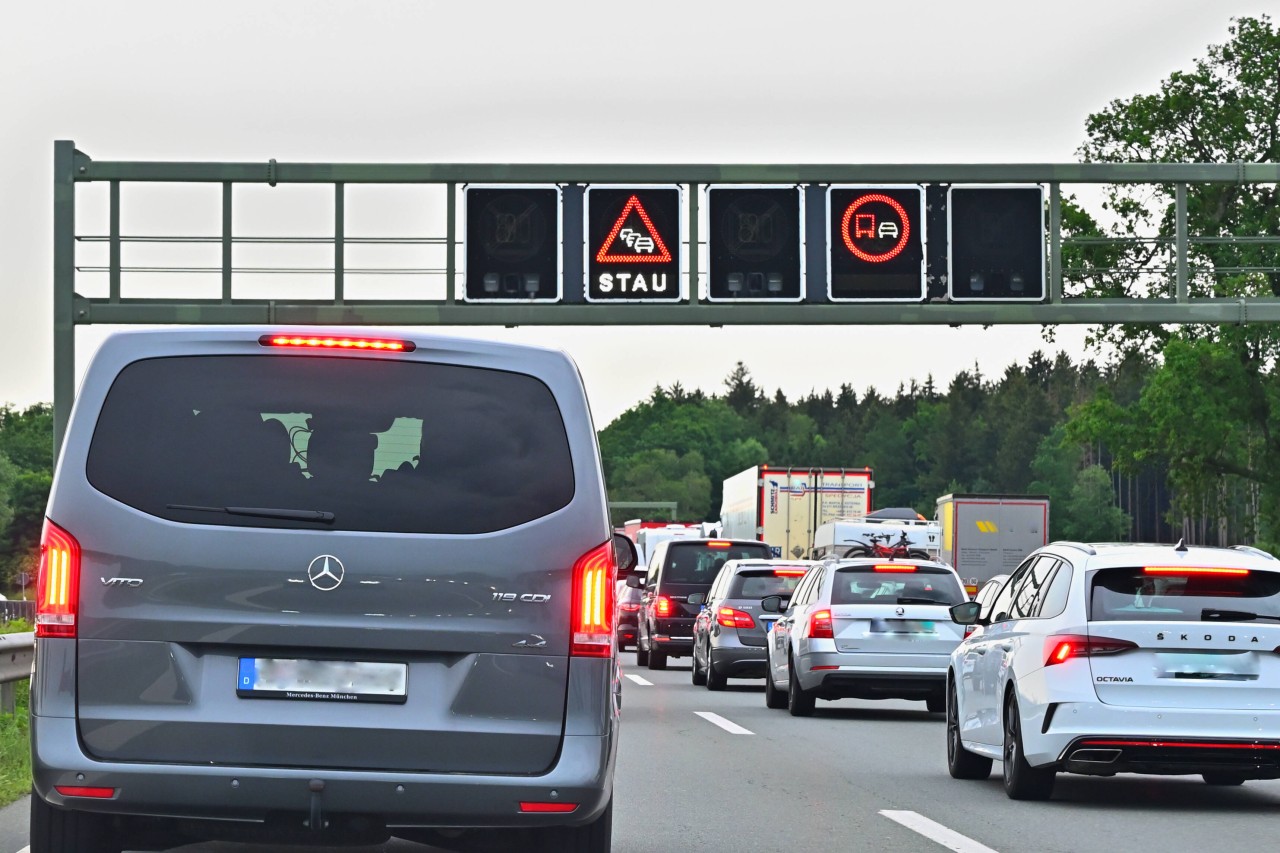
(64,282)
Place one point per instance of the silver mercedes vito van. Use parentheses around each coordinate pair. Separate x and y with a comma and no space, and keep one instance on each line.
(322,587)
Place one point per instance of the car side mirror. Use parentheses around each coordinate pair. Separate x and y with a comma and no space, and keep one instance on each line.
(774,604)
(697,599)
(966,613)
(636,580)
(624,553)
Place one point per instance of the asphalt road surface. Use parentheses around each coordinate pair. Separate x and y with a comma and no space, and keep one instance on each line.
(718,771)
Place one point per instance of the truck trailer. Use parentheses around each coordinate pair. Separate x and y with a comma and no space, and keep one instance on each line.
(988,535)
(783,506)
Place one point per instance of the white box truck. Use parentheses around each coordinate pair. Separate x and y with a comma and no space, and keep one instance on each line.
(988,535)
(783,506)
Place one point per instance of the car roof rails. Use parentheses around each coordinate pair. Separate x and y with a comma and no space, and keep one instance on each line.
(1079,546)
(1257,552)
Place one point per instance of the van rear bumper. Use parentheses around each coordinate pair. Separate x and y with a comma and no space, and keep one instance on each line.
(583,774)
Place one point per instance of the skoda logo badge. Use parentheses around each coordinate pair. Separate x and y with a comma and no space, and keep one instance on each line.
(326,572)
(899,612)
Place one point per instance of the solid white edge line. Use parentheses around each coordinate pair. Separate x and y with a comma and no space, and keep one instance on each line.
(935,831)
(643,682)
(26,849)
(728,725)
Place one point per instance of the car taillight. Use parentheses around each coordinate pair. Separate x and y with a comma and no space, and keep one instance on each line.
(820,626)
(969,629)
(1064,647)
(664,606)
(593,605)
(628,608)
(336,342)
(789,573)
(57,583)
(894,567)
(730,618)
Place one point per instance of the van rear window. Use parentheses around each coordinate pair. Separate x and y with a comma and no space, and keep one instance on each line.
(360,444)
(1201,594)
(700,562)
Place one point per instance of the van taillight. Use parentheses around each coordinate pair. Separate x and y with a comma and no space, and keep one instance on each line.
(663,606)
(820,626)
(593,604)
(57,583)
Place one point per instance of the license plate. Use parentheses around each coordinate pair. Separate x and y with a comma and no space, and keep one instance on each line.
(902,626)
(322,680)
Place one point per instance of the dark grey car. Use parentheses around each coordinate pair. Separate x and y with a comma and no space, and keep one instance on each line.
(324,588)
(729,633)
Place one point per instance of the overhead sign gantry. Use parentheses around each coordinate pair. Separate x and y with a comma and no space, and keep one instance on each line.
(674,245)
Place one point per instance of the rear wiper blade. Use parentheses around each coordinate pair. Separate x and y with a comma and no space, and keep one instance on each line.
(263,512)
(1210,614)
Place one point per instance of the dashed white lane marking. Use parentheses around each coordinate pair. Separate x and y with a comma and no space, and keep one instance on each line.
(935,831)
(643,682)
(728,725)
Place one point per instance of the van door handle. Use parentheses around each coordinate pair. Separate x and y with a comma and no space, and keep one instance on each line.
(1005,647)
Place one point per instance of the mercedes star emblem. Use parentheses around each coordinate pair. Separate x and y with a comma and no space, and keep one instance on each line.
(326,572)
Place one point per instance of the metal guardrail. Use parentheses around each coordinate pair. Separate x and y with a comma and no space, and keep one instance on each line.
(11,610)
(17,654)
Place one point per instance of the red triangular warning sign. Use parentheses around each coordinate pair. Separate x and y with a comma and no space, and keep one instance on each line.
(644,249)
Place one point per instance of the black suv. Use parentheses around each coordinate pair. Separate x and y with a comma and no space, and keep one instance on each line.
(677,569)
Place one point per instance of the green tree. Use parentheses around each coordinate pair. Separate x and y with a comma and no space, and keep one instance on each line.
(1091,514)
(1209,410)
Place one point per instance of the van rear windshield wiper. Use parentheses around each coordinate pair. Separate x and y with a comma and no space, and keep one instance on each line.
(263,512)
(1211,615)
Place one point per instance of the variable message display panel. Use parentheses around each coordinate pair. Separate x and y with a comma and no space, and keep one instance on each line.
(633,244)
(996,243)
(512,236)
(755,243)
(876,243)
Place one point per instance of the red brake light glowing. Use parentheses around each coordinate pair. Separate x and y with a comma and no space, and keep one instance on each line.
(789,573)
(629,608)
(1064,647)
(593,603)
(1194,570)
(717,544)
(730,618)
(548,808)
(664,606)
(57,583)
(820,626)
(894,567)
(336,342)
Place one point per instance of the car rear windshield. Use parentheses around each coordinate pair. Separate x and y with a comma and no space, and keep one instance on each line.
(761,583)
(700,562)
(923,585)
(349,443)
(1206,594)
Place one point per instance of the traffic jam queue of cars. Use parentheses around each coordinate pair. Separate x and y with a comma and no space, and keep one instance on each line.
(1089,659)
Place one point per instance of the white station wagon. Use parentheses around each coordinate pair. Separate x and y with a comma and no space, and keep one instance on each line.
(1105,659)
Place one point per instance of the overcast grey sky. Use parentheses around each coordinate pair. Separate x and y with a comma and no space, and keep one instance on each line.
(657,81)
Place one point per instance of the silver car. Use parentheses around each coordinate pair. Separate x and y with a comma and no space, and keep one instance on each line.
(865,629)
(326,587)
(729,632)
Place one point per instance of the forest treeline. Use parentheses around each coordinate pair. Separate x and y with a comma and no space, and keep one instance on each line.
(1003,434)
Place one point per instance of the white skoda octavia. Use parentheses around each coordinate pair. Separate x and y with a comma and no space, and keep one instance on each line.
(1105,659)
